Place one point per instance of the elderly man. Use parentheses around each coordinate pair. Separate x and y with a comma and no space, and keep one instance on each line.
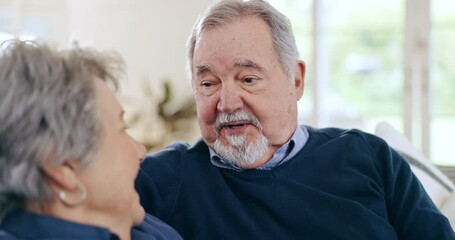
(257,174)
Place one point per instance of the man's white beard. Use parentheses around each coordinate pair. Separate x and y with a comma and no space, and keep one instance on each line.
(237,150)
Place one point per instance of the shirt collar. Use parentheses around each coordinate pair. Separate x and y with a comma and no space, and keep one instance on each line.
(283,154)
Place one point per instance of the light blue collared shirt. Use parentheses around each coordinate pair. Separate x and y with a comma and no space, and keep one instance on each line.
(282,155)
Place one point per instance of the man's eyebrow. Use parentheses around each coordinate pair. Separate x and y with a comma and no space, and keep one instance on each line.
(241,63)
(246,63)
(203,69)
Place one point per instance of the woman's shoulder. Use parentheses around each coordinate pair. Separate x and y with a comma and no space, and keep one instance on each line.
(6,236)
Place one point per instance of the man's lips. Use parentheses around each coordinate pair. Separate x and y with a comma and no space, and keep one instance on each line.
(236,124)
(233,128)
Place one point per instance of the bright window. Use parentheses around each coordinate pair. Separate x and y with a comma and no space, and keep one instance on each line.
(442,126)
(354,52)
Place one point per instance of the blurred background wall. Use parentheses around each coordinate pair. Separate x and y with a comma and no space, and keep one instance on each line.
(149,34)
(367,61)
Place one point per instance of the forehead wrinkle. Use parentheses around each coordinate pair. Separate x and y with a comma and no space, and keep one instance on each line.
(246,63)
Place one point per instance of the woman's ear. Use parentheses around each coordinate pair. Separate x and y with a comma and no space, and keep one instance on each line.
(299,79)
(62,176)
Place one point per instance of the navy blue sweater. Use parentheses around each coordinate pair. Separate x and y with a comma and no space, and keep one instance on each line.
(20,225)
(341,185)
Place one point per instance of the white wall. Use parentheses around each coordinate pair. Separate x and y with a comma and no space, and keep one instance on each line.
(150,34)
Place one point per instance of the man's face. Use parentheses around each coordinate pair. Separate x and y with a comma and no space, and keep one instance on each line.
(242,93)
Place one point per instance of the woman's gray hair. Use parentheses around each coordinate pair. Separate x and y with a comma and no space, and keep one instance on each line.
(48,113)
(227,11)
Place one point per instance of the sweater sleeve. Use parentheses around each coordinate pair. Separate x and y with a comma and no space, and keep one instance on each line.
(410,209)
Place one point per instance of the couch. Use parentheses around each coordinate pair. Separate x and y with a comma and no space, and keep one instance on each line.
(440,188)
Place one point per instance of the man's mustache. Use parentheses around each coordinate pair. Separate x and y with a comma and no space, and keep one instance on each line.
(226,118)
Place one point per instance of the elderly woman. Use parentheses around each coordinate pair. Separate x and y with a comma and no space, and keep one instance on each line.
(67,164)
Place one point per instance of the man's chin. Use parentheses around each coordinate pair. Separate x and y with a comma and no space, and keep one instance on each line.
(235,141)
(240,150)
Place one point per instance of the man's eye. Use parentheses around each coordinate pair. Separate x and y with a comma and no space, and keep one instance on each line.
(206,84)
(208,87)
(250,80)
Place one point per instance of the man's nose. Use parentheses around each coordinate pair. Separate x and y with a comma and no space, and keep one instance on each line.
(230,99)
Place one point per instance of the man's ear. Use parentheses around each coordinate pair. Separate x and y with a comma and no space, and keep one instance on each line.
(299,79)
(62,176)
